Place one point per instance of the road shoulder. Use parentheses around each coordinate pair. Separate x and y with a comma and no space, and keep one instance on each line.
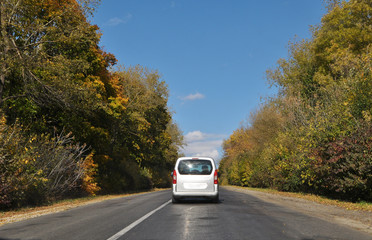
(28,213)
(359,220)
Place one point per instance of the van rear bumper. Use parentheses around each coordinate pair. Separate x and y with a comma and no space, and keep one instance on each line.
(184,194)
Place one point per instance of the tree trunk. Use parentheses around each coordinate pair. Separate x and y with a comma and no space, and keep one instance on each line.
(4,47)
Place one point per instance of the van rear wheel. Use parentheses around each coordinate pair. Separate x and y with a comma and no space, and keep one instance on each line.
(216,199)
(174,200)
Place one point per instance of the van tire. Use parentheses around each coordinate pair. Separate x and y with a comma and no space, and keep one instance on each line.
(216,199)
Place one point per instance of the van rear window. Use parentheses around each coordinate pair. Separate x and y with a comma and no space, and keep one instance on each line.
(195,167)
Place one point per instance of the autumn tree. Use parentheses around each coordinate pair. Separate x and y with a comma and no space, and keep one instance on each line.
(55,78)
(150,137)
(324,102)
(246,161)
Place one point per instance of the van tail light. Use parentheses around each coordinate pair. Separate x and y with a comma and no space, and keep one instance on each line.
(215,177)
(174,177)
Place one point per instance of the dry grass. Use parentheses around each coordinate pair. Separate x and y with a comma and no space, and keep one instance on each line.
(31,212)
(362,206)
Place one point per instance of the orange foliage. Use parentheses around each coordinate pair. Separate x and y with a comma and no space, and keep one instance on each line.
(89,184)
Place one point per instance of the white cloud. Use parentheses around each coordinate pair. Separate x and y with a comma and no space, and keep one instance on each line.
(116,21)
(193,97)
(203,144)
(194,136)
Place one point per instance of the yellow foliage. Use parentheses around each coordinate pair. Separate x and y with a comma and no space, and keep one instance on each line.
(89,184)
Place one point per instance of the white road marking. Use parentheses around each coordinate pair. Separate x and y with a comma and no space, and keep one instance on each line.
(132,225)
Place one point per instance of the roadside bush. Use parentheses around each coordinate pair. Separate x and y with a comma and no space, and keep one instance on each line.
(344,166)
(35,169)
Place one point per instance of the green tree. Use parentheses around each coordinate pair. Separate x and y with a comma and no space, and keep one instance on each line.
(54,77)
(153,135)
(323,106)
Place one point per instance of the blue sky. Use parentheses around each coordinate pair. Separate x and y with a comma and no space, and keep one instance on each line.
(213,55)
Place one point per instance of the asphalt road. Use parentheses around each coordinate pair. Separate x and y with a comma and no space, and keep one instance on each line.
(152,216)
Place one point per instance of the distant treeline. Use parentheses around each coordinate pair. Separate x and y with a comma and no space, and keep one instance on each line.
(70,123)
(315,135)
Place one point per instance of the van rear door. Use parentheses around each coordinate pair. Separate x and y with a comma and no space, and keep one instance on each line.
(195,175)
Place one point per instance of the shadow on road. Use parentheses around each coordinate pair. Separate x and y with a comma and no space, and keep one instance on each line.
(197,200)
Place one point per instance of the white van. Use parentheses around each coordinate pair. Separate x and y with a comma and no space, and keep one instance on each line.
(195,177)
